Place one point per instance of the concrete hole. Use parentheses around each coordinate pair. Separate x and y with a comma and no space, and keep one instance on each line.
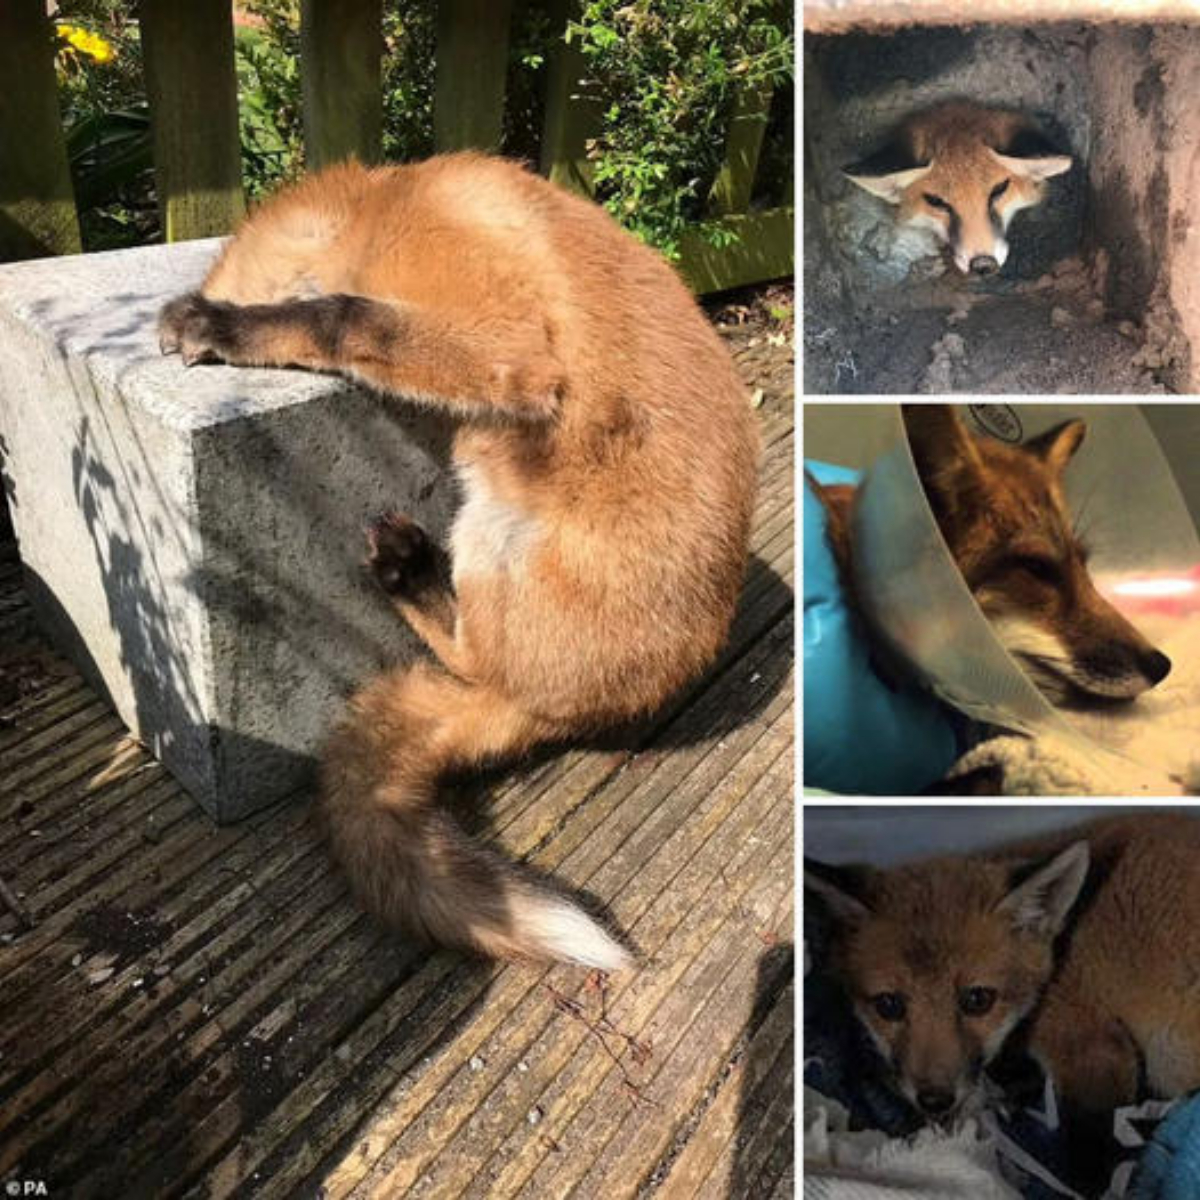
(1101,289)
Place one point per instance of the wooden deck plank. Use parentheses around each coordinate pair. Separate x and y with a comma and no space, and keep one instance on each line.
(536,1036)
(650,881)
(35,711)
(709,1162)
(71,740)
(189,948)
(248,1031)
(187,846)
(552,857)
(509,1167)
(727,957)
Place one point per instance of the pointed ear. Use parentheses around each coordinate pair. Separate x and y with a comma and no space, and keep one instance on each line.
(888,173)
(889,187)
(944,451)
(841,889)
(1037,168)
(1056,447)
(1031,155)
(1041,902)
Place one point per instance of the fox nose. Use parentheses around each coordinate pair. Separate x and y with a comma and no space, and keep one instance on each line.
(984,264)
(935,1102)
(1155,666)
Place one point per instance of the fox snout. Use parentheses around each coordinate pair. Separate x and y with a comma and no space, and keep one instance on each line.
(1124,667)
(1086,648)
(940,1100)
(936,1102)
(937,1062)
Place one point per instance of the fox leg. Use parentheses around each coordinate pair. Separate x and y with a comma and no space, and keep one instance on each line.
(414,571)
(1096,1066)
(391,347)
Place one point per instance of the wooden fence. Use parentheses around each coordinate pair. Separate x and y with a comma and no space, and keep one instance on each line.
(188,52)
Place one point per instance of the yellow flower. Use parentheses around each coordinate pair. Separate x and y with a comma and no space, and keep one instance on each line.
(86,42)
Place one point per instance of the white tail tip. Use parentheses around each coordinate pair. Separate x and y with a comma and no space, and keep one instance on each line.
(565,932)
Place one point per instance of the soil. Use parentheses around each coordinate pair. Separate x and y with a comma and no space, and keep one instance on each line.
(1050,335)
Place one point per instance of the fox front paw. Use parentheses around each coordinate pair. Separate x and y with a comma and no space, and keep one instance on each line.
(192,326)
(399,553)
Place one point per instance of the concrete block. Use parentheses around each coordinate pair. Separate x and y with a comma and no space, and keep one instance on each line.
(193,538)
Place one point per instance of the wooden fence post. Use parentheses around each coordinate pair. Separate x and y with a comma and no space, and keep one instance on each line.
(734,184)
(472,71)
(37,205)
(341,73)
(192,86)
(573,111)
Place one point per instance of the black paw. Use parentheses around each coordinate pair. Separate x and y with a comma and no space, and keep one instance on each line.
(193,327)
(399,553)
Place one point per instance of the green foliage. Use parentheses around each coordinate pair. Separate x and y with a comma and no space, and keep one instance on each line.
(267,55)
(531,42)
(107,122)
(410,42)
(269,88)
(671,70)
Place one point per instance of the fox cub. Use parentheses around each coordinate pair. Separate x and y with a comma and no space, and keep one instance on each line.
(607,458)
(1081,949)
(963,172)
(1004,518)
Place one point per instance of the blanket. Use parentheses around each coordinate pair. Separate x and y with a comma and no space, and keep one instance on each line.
(845,1164)
(862,1142)
(1150,747)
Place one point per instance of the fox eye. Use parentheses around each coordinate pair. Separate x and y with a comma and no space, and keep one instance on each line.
(976,1001)
(936,202)
(999,190)
(1044,570)
(890,1006)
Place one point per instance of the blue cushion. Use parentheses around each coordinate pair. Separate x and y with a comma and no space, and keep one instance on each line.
(861,735)
(1170,1166)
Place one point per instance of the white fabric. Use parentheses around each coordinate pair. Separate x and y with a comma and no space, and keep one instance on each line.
(868,1165)
(1155,740)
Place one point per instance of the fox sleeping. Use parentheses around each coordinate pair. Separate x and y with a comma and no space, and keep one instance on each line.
(1079,950)
(963,172)
(606,454)
(1005,521)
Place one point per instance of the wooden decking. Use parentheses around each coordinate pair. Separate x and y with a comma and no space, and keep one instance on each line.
(200,1011)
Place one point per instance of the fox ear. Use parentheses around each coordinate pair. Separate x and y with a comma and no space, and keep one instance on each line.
(888,173)
(1032,155)
(1056,447)
(943,449)
(1040,903)
(839,887)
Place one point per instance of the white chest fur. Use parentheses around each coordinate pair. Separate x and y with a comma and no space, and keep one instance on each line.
(490,536)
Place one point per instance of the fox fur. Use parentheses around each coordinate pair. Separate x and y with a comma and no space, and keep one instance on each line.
(606,453)
(1079,949)
(962,172)
(1005,520)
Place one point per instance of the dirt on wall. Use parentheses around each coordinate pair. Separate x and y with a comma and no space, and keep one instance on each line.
(1101,292)
(1145,175)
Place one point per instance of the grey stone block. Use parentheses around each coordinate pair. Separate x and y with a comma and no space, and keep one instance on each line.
(193,538)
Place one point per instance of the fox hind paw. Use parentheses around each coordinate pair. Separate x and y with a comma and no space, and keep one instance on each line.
(399,552)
